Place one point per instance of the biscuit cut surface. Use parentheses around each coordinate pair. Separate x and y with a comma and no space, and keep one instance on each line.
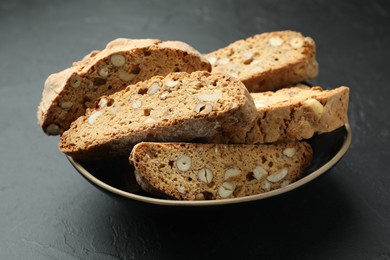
(268,61)
(178,107)
(68,93)
(188,171)
(293,113)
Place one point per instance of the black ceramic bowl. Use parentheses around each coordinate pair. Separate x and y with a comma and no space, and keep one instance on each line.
(116,178)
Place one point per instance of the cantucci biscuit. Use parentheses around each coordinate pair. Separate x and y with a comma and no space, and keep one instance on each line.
(178,107)
(189,171)
(68,93)
(268,61)
(293,113)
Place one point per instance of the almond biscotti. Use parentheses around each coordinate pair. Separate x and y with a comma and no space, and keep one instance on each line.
(293,113)
(68,93)
(189,171)
(178,107)
(268,61)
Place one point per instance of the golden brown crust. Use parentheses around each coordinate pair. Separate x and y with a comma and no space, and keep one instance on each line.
(293,113)
(188,171)
(268,61)
(68,93)
(178,107)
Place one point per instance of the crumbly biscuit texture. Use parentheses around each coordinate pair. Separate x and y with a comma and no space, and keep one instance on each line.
(188,171)
(67,94)
(268,61)
(178,107)
(293,113)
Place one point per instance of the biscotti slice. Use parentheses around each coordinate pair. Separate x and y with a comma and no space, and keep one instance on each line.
(190,171)
(294,113)
(179,107)
(268,61)
(68,93)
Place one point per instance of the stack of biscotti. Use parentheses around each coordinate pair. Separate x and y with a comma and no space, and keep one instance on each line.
(195,134)
(216,171)
(68,93)
(294,112)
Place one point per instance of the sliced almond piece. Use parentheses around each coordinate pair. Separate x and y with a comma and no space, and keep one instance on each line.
(280,175)
(210,97)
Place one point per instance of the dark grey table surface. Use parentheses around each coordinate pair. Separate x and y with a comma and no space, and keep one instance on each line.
(48,211)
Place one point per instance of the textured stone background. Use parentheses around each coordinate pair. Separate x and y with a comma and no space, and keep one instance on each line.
(47,211)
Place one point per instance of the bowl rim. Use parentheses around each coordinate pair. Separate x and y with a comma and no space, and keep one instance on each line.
(166,202)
